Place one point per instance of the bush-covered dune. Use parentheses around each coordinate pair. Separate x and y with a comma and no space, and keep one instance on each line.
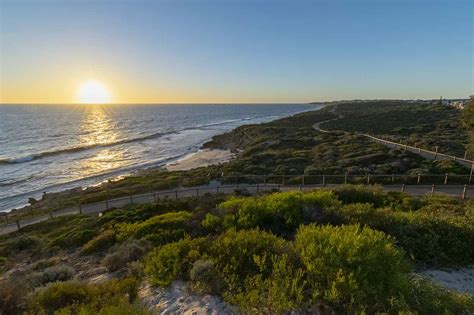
(352,250)
(291,146)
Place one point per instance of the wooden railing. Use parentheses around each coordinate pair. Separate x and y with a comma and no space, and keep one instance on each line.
(454,185)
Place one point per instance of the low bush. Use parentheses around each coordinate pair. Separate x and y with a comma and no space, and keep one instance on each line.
(342,272)
(280,213)
(101,242)
(125,253)
(16,244)
(74,238)
(166,227)
(282,290)
(12,298)
(174,260)
(432,239)
(204,277)
(52,274)
(425,297)
(361,194)
(240,254)
(71,296)
(212,223)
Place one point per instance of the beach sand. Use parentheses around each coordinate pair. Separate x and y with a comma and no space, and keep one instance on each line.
(204,157)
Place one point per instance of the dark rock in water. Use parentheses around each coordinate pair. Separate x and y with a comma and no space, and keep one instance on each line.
(32,201)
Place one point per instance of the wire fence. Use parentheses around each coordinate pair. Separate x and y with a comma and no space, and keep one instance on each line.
(454,185)
(427,154)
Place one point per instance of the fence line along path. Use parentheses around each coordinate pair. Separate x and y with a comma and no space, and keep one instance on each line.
(427,154)
(462,191)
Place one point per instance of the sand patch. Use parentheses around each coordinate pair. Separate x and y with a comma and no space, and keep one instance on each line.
(176,300)
(201,158)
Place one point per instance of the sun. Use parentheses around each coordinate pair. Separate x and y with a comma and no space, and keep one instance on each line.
(93,92)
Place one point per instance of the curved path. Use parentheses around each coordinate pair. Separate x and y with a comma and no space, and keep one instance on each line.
(427,154)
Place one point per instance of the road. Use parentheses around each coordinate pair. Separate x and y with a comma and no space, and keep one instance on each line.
(98,207)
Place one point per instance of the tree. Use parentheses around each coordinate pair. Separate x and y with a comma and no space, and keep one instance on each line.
(468,117)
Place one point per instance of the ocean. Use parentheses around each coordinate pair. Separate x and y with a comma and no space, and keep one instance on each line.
(47,148)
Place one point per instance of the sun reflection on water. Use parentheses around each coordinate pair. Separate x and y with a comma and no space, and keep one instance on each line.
(98,128)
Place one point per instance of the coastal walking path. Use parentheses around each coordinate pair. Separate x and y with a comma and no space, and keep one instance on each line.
(427,154)
(462,191)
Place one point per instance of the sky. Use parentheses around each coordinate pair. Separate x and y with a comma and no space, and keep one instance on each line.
(241,51)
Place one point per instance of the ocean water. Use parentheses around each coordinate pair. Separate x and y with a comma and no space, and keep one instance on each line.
(46,148)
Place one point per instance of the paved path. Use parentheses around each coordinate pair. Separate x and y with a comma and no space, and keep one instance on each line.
(98,207)
(427,154)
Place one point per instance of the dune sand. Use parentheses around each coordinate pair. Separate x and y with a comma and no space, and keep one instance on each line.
(204,157)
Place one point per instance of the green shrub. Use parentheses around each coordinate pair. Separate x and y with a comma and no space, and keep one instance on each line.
(12,296)
(212,223)
(168,221)
(425,298)
(101,242)
(352,268)
(205,277)
(76,237)
(17,243)
(70,296)
(123,254)
(52,274)
(361,194)
(284,290)
(433,239)
(281,212)
(240,254)
(174,260)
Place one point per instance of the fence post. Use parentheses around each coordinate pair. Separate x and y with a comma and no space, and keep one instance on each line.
(464,191)
(324,180)
(176,194)
(446,179)
(432,189)
(368,179)
(345,179)
(418,179)
(470,176)
(403,187)
(197,192)
(465,154)
(18,224)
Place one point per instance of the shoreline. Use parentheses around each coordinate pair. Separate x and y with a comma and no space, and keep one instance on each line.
(201,158)
(198,157)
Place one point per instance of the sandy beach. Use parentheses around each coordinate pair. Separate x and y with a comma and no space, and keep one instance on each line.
(204,157)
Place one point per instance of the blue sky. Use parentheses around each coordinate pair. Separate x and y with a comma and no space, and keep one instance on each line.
(237,51)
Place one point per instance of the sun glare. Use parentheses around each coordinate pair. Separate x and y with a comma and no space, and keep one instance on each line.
(93,92)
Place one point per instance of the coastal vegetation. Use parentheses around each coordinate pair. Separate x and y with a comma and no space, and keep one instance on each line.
(468,116)
(291,146)
(352,249)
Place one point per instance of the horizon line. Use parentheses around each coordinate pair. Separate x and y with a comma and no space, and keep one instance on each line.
(231,103)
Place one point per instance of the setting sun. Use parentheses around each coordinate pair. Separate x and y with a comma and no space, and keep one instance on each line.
(93,92)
